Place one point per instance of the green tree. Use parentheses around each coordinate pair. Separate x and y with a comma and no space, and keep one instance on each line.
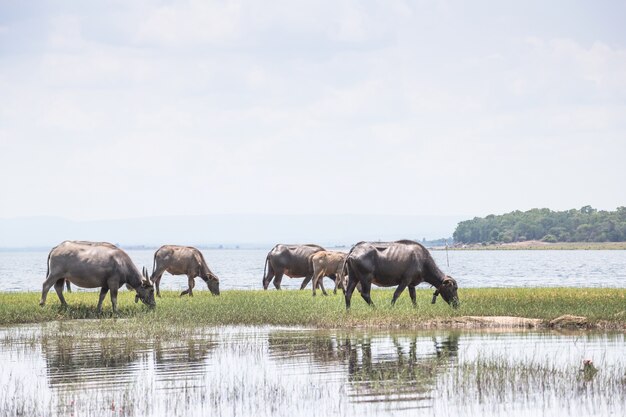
(584,224)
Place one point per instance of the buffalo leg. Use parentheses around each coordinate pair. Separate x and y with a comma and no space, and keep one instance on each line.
(348,294)
(156,278)
(103,292)
(316,279)
(68,286)
(114,298)
(365,291)
(341,282)
(412,294)
(192,283)
(397,293)
(268,278)
(277,279)
(336,285)
(47,284)
(189,290)
(58,286)
(321,284)
(157,284)
(306,282)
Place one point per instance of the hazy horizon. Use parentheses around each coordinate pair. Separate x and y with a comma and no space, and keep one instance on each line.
(229,229)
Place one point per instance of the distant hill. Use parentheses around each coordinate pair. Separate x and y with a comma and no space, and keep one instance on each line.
(244,230)
(584,225)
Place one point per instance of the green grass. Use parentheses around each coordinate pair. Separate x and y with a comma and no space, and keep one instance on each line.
(298,308)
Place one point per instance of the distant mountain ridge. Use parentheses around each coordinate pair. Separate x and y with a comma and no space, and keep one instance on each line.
(227,229)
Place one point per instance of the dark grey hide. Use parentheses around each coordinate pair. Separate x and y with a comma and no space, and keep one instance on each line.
(403,264)
(183,260)
(291,260)
(95,265)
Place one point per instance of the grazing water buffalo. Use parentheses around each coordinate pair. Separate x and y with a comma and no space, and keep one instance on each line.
(291,260)
(403,263)
(183,260)
(328,264)
(93,265)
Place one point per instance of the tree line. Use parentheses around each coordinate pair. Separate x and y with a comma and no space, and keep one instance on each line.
(584,225)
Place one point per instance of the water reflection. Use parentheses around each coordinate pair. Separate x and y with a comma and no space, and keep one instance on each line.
(275,372)
(109,362)
(401,376)
(92,361)
(174,359)
(379,368)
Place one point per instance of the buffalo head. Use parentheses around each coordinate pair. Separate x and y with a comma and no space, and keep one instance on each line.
(145,292)
(214,284)
(448,291)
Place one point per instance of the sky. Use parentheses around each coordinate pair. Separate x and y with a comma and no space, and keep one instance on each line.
(124,109)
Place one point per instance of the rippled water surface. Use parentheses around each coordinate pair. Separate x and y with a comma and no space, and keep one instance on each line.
(243,269)
(58,369)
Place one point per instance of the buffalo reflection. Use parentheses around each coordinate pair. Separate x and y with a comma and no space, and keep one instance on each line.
(395,367)
(407,373)
(186,356)
(72,360)
(79,362)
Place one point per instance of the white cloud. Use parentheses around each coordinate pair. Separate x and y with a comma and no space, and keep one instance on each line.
(70,114)
(66,32)
(562,67)
(245,107)
(193,21)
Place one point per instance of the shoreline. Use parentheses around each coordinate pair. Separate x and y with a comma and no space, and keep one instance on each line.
(482,323)
(536,245)
(531,308)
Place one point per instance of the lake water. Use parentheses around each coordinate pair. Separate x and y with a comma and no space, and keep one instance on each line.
(243,269)
(57,369)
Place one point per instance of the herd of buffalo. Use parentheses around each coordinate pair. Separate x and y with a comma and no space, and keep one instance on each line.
(402,263)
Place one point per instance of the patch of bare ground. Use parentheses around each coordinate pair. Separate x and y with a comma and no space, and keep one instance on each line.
(569,321)
(526,244)
(510,322)
(482,322)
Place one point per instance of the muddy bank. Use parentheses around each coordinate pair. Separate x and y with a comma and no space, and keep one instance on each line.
(565,322)
(511,322)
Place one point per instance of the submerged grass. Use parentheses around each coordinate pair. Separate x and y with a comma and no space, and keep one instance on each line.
(602,306)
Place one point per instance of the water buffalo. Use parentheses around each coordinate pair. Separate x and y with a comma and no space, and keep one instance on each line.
(403,263)
(183,260)
(328,264)
(93,265)
(291,260)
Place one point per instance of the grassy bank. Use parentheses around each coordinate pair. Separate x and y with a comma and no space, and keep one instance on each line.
(604,307)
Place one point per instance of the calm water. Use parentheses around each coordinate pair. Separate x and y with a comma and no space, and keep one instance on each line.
(267,371)
(243,269)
